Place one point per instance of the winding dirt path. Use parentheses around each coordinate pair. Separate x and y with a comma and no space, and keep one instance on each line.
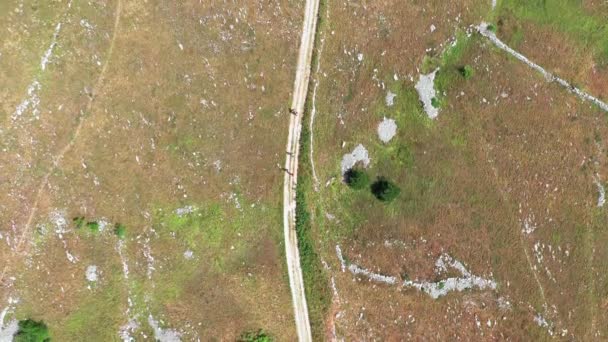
(300,91)
(20,248)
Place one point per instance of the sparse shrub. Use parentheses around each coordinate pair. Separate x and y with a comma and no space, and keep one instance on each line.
(255,336)
(435,102)
(78,221)
(32,331)
(93,226)
(405,156)
(491,27)
(429,64)
(120,230)
(466,71)
(356,179)
(384,190)
(441,285)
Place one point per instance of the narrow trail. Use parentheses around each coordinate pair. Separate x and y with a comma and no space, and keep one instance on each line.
(59,157)
(300,91)
(550,77)
(522,242)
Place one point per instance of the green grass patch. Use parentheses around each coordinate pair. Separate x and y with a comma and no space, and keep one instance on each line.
(357,179)
(203,225)
(32,331)
(450,68)
(255,336)
(78,222)
(566,16)
(93,226)
(104,305)
(315,280)
(318,295)
(120,231)
(385,190)
(466,72)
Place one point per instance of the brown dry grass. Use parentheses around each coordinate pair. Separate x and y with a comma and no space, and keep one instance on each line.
(473,168)
(159,120)
(558,51)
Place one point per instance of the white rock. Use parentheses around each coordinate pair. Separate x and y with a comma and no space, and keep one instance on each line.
(426,91)
(390,98)
(188,254)
(163,335)
(387,130)
(359,154)
(91,273)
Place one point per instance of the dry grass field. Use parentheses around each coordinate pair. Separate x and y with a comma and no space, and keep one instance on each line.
(141,192)
(168,119)
(505,180)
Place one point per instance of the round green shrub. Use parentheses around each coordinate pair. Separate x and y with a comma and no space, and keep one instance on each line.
(466,72)
(356,179)
(384,190)
(93,226)
(32,331)
(120,230)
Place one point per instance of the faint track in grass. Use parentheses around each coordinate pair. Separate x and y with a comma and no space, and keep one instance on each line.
(59,156)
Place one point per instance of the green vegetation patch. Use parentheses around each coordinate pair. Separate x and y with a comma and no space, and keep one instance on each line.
(104,306)
(466,71)
(32,331)
(120,231)
(385,190)
(78,222)
(93,226)
(318,296)
(203,225)
(357,179)
(450,70)
(255,336)
(567,16)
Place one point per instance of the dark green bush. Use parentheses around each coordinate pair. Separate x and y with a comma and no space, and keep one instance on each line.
(78,221)
(385,190)
(435,102)
(356,179)
(93,226)
(32,331)
(466,71)
(120,230)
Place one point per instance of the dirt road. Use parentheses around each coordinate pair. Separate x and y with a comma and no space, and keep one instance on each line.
(300,90)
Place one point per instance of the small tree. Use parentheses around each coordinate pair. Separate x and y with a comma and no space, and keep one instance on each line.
(356,179)
(466,71)
(435,102)
(78,221)
(120,230)
(32,331)
(93,226)
(385,190)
